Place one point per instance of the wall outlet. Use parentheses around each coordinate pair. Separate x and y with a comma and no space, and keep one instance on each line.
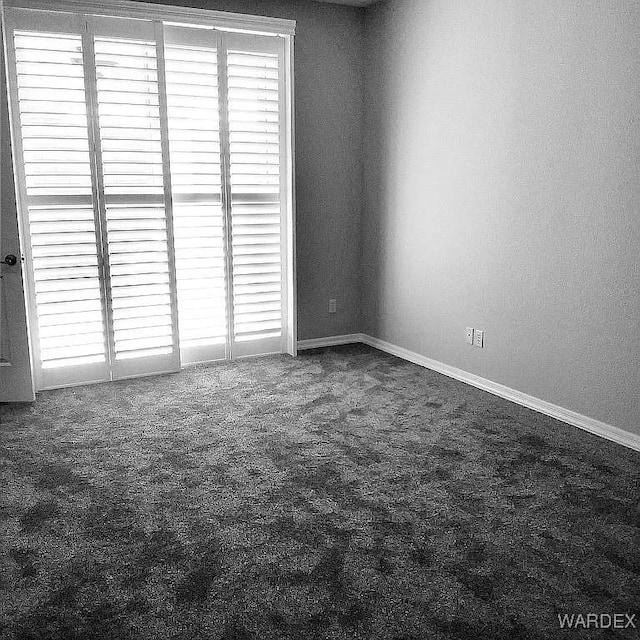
(333,305)
(469,335)
(478,338)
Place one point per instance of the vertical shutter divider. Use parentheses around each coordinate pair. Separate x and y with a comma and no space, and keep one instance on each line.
(288,186)
(225,164)
(97,185)
(166,174)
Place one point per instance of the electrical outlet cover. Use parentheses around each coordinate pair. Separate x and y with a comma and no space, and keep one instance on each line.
(478,338)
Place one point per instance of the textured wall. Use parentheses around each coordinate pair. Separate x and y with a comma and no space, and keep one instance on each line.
(503,192)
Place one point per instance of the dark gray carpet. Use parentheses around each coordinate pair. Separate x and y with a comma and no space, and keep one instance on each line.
(342,494)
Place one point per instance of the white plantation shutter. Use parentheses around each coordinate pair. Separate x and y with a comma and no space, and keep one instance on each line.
(191,63)
(155,186)
(57,192)
(227,189)
(254,76)
(141,294)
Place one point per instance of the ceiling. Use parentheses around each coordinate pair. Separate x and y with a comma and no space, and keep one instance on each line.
(353,3)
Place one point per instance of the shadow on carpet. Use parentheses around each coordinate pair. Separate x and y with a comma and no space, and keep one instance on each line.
(341,494)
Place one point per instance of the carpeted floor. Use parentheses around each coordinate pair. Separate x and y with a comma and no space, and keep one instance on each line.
(342,494)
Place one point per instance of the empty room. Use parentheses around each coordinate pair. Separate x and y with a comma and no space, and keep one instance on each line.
(320,319)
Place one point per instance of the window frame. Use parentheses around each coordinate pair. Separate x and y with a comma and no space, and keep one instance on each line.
(204,18)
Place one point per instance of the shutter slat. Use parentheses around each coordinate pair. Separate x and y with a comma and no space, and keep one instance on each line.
(69,354)
(145,352)
(146,313)
(123,61)
(60,330)
(67,362)
(138,323)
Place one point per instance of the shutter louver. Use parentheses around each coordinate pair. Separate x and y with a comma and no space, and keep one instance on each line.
(192,106)
(254,147)
(133,176)
(57,170)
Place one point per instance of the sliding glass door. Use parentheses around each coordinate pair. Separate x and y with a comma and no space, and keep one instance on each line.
(151,183)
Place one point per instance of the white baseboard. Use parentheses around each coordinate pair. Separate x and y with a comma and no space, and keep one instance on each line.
(330,341)
(602,429)
(591,425)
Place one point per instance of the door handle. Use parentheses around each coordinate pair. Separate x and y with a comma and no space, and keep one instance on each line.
(10,260)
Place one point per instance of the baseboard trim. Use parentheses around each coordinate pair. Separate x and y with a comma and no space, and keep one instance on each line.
(598,428)
(602,429)
(330,341)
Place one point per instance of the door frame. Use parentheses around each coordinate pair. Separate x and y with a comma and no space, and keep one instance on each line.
(16,377)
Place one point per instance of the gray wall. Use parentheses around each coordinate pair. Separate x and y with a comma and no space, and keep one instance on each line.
(502,188)
(329,86)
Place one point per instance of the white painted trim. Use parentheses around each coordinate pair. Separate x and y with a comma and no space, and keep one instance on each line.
(573,418)
(291,279)
(168,190)
(598,428)
(24,233)
(148,11)
(225,178)
(330,341)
